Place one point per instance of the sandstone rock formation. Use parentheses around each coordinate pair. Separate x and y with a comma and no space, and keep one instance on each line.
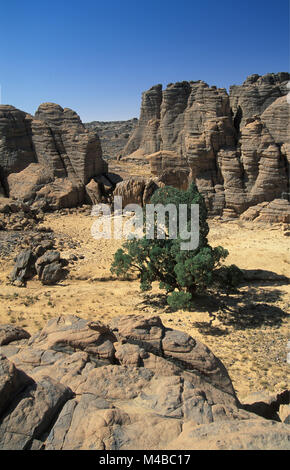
(9,333)
(133,384)
(275,211)
(234,146)
(256,94)
(50,157)
(135,191)
(113,135)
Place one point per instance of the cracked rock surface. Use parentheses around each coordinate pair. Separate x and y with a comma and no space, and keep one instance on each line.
(132,384)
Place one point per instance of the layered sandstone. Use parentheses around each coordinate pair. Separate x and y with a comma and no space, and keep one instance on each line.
(50,156)
(256,94)
(234,146)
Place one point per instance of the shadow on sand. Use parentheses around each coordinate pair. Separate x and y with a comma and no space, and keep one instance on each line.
(252,306)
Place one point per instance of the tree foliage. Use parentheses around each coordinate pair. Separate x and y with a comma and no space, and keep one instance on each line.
(182,273)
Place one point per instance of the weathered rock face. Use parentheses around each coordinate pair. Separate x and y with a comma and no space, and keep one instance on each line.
(113,135)
(15,142)
(43,261)
(50,156)
(275,211)
(255,95)
(235,147)
(133,384)
(145,138)
(135,191)
(79,153)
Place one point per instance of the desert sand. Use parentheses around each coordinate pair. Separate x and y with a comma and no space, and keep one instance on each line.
(250,339)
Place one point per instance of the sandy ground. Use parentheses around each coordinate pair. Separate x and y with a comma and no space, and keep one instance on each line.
(126,168)
(250,338)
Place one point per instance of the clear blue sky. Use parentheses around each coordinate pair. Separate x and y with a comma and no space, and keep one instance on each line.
(96,57)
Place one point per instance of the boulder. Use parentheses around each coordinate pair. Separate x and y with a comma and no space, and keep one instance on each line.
(94,192)
(32,413)
(25,184)
(284,413)
(24,266)
(41,260)
(133,384)
(131,191)
(10,333)
(70,333)
(135,190)
(52,273)
(12,382)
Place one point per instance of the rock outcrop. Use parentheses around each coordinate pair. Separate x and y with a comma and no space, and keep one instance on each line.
(135,191)
(234,146)
(113,135)
(256,94)
(49,158)
(42,260)
(276,211)
(132,384)
(17,216)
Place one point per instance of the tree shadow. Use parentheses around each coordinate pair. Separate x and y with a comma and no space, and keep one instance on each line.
(252,316)
(263,277)
(208,329)
(249,309)
(258,294)
(244,309)
(158,301)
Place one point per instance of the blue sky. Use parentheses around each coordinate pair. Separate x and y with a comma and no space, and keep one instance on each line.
(97,57)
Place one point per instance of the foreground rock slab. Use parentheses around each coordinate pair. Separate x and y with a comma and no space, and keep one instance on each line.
(131,384)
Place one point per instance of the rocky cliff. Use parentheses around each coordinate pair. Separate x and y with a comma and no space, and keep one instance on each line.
(235,146)
(48,158)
